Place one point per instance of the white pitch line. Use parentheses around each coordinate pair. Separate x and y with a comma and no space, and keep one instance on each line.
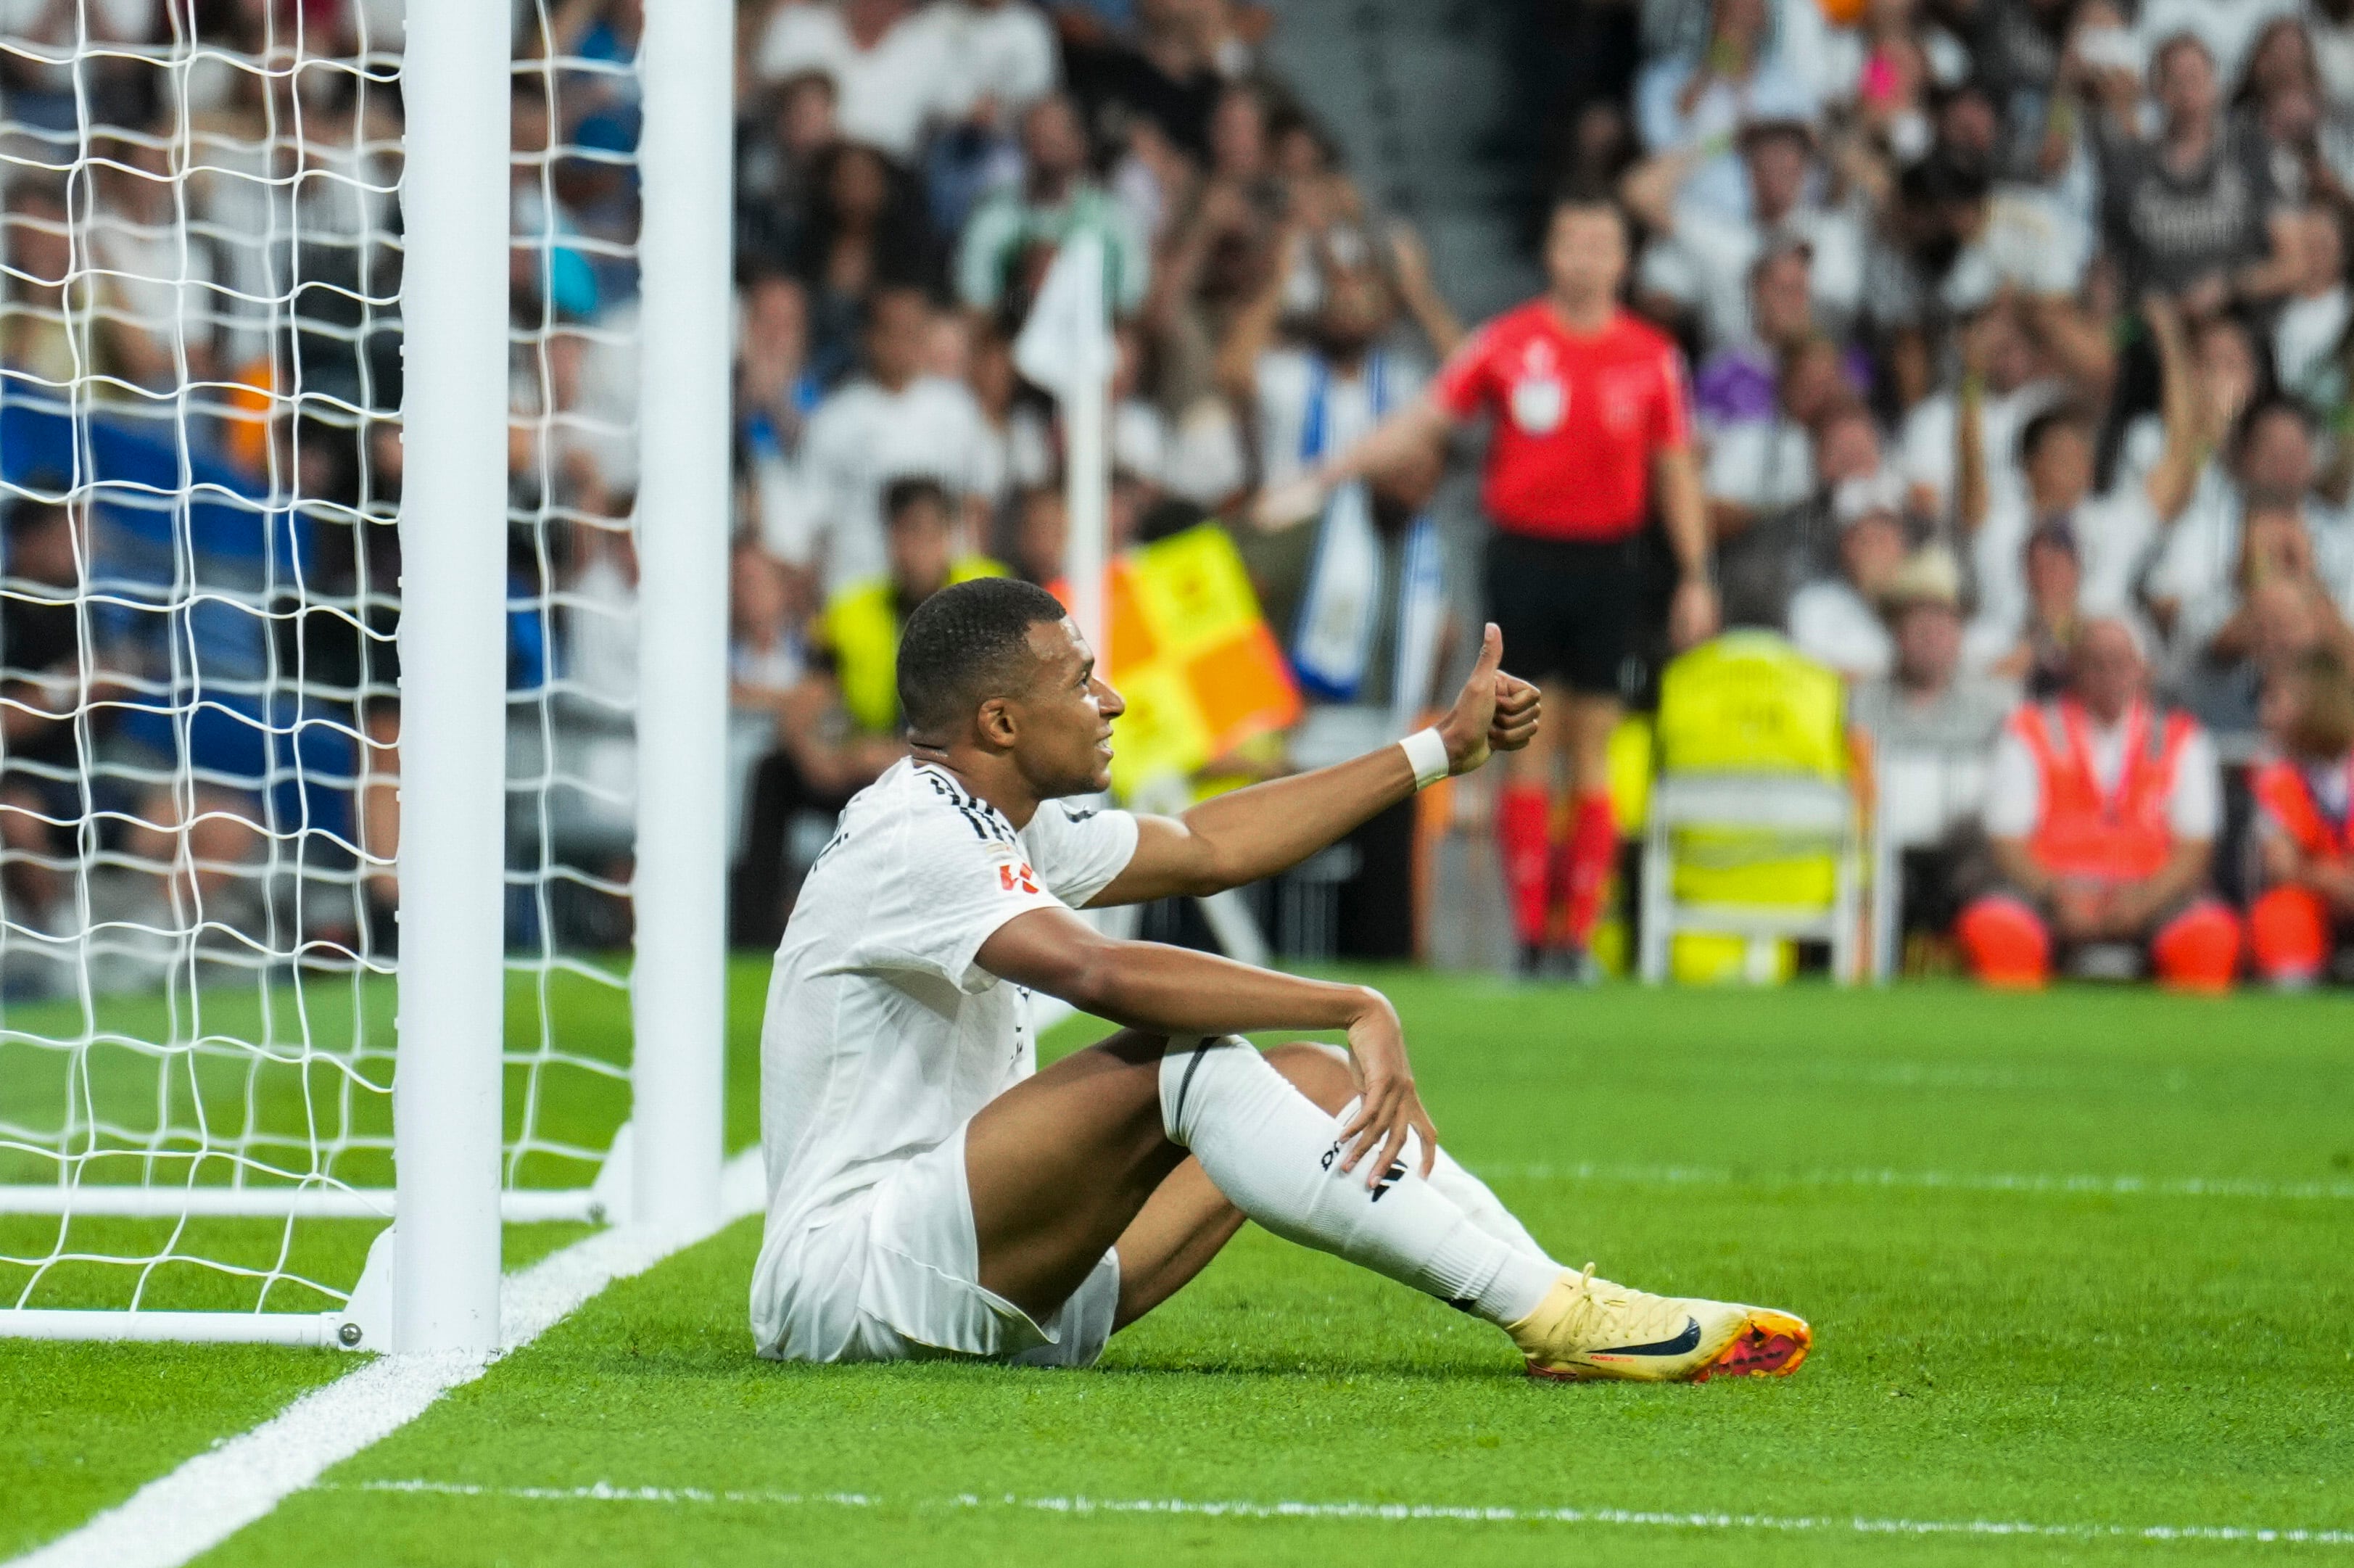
(1388,1512)
(1934,1181)
(213,1496)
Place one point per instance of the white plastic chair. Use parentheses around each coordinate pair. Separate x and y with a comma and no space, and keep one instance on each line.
(1802,815)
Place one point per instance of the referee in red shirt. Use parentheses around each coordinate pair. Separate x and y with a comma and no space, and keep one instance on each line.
(1592,427)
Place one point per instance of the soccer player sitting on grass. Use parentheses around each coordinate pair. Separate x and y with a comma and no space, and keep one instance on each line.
(931,1194)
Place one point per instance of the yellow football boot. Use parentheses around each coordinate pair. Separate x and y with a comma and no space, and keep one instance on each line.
(1589,1328)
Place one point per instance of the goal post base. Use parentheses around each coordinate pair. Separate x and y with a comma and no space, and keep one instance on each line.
(364,1322)
(527,1206)
(310,1330)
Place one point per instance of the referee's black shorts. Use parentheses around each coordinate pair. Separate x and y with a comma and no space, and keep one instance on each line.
(1570,610)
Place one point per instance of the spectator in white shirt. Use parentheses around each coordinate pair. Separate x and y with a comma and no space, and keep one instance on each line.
(1757,467)
(1932,725)
(1702,259)
(2312,324)
(1700,100)
(1006,55)
(895,64)
(2228,27)
(1006,50)
(2114,535)
(2279,620)
(2288,601)
(1837,620)
(2198,580)
(1930,700)
(2011,376)
(1322,396)
(1738,382)
(891,423)
(1764,557)
(2029,643)
(775,394)
(1014,233)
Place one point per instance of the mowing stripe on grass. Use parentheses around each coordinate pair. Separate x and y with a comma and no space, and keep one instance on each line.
(213,1496)
(1952,1181)
(1385,1512)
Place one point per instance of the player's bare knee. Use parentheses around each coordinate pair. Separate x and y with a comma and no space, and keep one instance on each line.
(1320,1072)
(1128,1077)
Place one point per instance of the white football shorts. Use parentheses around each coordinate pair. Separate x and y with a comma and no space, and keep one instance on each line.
(894,1275)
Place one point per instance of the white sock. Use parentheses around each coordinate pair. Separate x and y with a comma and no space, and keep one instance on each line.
(1459,1186)
(1276,1157)
(1472,1195)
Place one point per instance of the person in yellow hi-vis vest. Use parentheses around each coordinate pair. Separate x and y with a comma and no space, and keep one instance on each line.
(855,649)
(858,631)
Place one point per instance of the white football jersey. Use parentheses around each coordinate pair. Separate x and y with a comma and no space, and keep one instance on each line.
(882,1035)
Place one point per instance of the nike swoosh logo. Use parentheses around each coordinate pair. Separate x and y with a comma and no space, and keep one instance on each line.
(1683,1344)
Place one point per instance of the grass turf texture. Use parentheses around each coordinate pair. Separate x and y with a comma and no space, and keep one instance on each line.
(2066,1358)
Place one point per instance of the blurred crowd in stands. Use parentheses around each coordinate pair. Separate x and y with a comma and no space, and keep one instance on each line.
(905,176)
(2021,368)
(2020,336)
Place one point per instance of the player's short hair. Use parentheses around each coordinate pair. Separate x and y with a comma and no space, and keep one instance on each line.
(966,643)
(910,491)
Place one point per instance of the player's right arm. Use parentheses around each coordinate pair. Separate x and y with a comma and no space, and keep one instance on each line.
(1177,991)
(1231,840)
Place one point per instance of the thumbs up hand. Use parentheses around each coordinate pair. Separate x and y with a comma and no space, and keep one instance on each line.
(1494,712)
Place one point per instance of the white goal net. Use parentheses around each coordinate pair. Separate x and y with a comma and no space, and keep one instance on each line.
(200,719)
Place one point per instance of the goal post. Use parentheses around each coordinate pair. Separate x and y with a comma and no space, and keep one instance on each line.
(678,993)
(456,88)
(293,294)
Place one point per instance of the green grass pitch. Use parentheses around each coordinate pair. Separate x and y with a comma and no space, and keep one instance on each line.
(2077,1261)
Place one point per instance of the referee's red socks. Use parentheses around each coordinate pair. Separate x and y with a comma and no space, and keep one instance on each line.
(1540,876)
(1523,843)
(1590,856)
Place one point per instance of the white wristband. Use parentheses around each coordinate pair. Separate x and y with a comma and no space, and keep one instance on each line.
(1426,753)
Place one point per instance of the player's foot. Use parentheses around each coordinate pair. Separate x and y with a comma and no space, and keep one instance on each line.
(1591,1328)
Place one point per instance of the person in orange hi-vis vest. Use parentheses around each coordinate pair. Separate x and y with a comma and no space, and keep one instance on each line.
(2101,813)
(2304,824)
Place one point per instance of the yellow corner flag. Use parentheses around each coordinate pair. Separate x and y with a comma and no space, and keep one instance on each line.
(1192,655)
